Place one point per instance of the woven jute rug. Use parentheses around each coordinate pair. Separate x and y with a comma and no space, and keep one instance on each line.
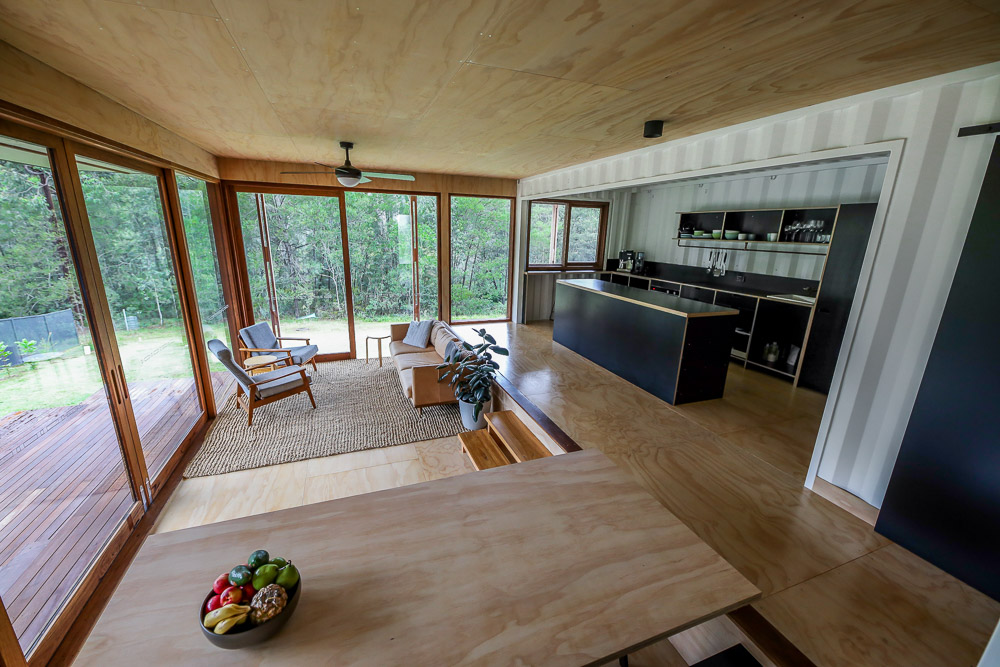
(358,406)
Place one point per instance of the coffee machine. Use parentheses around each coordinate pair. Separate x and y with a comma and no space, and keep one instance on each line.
(626,258)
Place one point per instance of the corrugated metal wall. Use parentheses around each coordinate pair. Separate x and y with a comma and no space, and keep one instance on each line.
(935,190)
(653,222)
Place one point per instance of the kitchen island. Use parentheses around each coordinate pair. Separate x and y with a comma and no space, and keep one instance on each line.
(674,348)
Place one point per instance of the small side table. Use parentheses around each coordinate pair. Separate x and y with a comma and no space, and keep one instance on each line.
(260,363)
(379,339)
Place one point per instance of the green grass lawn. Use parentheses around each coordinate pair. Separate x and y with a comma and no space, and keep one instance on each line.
(158,353)
(155,353)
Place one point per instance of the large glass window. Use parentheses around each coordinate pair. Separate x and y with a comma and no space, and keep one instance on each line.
(480,258)
(380,238)
(427,254)
(393,248)
(63,487)
(126,217)
(200,236)
(566,234)
(295,240)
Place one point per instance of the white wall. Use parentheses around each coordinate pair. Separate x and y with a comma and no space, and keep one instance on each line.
(934,193)
(652,224)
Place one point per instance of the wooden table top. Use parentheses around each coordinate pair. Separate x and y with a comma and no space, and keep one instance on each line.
(560,561)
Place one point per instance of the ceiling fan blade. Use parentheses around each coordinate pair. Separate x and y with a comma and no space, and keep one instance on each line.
(365,180)
(395,177)
(328,173)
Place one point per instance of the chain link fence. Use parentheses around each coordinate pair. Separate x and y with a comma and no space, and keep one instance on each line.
(51,332)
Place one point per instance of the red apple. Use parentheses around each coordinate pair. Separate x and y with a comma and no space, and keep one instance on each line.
(248,592)
(221,583)
(231,595)
(213,603)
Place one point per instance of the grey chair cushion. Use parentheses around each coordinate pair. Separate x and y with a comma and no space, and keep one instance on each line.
(303,353)
(419,333)
(285,379)
(259,335)
(225,357)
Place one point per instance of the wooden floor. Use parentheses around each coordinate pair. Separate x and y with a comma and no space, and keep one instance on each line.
(732,470)
(202,500)
(63,490)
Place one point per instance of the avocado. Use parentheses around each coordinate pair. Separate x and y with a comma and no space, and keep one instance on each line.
(258,558)
(279,561)
(240,575)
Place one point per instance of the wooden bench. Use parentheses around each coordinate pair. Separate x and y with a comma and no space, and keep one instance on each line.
(505,440)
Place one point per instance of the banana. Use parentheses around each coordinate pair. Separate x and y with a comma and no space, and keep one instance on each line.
(213,618)
(227,624)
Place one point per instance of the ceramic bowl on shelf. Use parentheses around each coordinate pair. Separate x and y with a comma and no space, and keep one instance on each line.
(743,237)
(773,236)
(716,233)
(731,234)
(751,237)
(698,232)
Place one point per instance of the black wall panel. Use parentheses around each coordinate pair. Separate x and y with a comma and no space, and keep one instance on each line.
(943,500)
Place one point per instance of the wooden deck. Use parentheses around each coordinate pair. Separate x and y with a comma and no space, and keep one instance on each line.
(63,490)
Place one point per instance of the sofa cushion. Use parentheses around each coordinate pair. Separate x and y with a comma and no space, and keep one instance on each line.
(440,336)
(398,347)
(405,361)
(406,379)
(419,333)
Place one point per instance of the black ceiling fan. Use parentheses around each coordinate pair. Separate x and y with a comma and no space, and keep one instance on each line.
(348,175)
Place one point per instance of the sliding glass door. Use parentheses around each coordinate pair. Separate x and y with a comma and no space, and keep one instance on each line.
(393,245)
(296,266)
(126,215)
(64,490)
(207,274)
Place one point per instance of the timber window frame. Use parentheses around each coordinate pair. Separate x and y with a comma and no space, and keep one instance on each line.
(560,238)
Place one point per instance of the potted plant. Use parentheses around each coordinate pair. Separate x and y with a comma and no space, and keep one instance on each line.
(472,370)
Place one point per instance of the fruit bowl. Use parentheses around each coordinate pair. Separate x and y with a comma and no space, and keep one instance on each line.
(248,634)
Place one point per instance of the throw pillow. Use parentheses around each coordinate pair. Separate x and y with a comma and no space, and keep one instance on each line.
(419,333)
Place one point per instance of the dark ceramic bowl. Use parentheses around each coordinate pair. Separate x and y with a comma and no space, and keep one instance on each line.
(248,634)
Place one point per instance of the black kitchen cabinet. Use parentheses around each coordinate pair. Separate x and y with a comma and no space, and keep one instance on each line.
(836,295)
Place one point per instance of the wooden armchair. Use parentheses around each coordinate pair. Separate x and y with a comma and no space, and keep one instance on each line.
(259,390)
(258,339)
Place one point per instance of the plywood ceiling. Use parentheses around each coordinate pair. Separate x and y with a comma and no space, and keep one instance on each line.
(488,87)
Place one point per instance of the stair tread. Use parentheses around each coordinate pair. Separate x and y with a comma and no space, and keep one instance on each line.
(483,449)
(512,433)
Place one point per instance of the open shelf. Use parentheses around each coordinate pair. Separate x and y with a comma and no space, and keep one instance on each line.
(789,227)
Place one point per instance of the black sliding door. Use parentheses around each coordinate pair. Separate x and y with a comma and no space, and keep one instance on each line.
(943,500)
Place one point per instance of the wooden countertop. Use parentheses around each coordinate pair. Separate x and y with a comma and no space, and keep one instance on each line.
(667,303)
(560,561)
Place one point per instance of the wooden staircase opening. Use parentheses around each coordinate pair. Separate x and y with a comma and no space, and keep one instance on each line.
(505,440)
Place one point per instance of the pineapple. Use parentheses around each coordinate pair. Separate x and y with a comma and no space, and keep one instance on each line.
(267,603)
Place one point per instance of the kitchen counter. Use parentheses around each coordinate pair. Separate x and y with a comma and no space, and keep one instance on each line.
(705,284)
(674,348)
(674,305)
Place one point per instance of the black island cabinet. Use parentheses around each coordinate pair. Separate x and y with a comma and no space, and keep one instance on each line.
(677,349)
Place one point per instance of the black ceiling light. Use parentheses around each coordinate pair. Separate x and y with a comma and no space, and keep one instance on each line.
(652,129)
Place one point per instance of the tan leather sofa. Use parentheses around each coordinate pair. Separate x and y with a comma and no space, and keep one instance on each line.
(417,366)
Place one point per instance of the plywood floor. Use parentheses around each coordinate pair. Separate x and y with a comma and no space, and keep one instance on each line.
(732,469)
(64,491)
(202,500)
